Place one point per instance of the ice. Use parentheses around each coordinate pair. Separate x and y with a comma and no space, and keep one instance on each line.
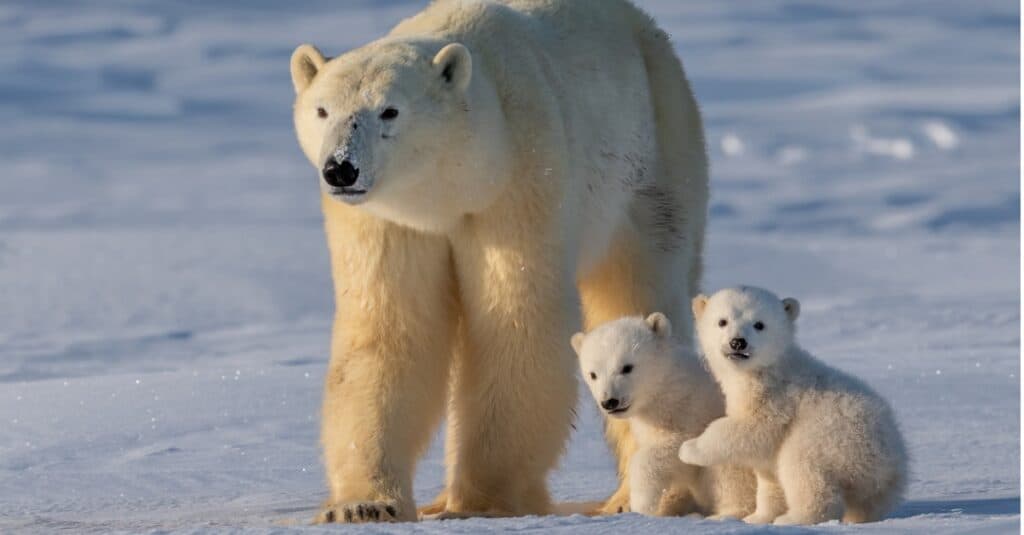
(165,298)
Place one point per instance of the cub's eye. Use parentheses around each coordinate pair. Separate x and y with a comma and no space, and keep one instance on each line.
(321,113)
(593,376)
(759,326)
(389,114)
(722,322)
(626,369)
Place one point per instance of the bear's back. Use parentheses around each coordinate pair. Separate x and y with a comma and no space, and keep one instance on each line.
(555,23)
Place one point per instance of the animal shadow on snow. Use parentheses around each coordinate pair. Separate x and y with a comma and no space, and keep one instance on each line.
(993,506)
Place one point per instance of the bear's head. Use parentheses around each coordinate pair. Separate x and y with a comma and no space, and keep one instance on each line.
(395,127)
(623,362)
(745,328)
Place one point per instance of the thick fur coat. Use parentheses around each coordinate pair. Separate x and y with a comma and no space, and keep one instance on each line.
(824,445)
(491,173)
(636,371)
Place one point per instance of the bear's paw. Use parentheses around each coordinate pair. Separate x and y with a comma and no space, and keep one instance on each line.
(357,513)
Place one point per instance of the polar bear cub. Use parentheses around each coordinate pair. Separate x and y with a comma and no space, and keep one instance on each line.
(824,446)
(634,370)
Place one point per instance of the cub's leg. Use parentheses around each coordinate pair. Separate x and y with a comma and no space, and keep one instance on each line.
(650,481)
(771,502)
(390,352)
(734,489)
(811,495)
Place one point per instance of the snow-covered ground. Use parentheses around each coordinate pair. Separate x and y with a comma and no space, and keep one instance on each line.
(164,291)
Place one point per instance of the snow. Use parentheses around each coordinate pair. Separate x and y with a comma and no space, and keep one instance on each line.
(164,288)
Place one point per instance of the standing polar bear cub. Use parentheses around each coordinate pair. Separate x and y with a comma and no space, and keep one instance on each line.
(636,371)
(824,446)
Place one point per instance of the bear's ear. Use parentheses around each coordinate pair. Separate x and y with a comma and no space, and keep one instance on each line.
(659,324)
(307,61)
(454,65)
(699,303)
(792,308)
(577,342)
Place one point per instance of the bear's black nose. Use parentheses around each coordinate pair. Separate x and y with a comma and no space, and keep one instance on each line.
(738,344)
(340,175)
(609,404)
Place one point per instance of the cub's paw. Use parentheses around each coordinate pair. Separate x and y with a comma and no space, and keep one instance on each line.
(357,513)
(689,453)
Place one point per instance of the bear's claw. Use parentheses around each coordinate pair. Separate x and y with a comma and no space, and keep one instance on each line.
(357,513)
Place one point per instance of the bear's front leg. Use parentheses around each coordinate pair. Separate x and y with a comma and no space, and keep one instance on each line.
(514,386)
(390,355)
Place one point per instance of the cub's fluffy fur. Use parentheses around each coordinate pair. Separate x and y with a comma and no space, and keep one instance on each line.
(824,446)
(636,371)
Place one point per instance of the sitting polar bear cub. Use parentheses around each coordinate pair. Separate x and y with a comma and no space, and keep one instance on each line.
(635,371)
(824,446)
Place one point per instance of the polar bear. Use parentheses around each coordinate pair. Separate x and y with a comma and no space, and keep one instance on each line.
(824,446)
(487,171)
(636,371)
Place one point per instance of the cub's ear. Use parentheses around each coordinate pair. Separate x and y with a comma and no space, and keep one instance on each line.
(307,61)
(454,65)
(698,304)
(659,324)
(577,342)
(792,308)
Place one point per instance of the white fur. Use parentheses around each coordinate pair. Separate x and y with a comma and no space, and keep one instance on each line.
(668,397)
(823,444)
(546,154)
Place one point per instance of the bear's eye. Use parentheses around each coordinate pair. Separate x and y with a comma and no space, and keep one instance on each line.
(722,322)
(321,113)
(626,369)
(593,376)
(758,326)
(389,114)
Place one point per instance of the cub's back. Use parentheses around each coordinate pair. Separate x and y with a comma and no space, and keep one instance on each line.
(843,411)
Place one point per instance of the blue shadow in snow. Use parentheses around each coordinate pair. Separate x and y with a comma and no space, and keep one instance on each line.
(994,506)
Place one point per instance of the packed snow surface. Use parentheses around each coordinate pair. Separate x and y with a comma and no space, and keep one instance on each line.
(165,299)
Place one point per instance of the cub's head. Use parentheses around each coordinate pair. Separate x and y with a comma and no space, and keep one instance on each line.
(623,361)
(385,125)
(746,327)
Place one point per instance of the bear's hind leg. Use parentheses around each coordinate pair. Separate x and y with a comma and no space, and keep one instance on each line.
(514,383)
(631,280)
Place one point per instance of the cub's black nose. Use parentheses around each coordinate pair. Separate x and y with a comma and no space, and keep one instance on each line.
(340,175)
(609,404)
(738,344)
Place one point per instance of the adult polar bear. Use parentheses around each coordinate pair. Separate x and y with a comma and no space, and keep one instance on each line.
(487,168)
